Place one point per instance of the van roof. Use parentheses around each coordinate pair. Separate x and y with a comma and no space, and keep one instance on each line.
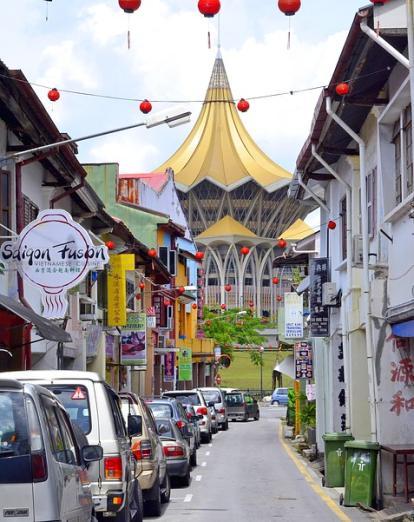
(11,383)
(51,375)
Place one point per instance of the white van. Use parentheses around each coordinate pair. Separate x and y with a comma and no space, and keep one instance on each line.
(95,407)
(42,472)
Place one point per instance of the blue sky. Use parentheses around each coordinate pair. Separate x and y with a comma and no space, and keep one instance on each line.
(83,47)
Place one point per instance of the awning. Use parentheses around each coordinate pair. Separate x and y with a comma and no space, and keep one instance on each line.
(287,366)
(47,329)
(405,329)
(303,285)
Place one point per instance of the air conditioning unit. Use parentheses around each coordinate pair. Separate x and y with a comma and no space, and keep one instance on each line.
(87,312)
(357,256)
(329,294)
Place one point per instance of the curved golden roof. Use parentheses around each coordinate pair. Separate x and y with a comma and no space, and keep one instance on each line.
(299,230)
(220,149)
(227,226)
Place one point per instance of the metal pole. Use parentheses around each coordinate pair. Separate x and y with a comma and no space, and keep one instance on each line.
(261,375)
(410,35)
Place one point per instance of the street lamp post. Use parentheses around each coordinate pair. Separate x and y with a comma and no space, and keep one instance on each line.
(261,350)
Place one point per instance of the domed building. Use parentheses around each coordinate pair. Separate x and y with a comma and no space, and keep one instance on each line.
(234,196)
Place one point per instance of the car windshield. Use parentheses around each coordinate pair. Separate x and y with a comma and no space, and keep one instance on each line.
(160,410)
(14,441)
(164,428)
(234,399)
(282,391)
(191,398)
(76,402)
(211,396)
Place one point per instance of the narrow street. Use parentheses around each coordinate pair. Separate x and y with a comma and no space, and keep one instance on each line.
(246,475)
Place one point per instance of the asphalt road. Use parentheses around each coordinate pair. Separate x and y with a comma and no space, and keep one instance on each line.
(246,475)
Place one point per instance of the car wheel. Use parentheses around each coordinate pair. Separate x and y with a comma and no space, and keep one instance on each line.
(166,489)
(246,417)
(139,504)
(193,458)
(152,506)
(185,481)
(276,403)
(225,425)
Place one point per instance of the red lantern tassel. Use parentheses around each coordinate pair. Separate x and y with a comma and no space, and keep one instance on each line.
(129,39)
(288,42)
(209,40)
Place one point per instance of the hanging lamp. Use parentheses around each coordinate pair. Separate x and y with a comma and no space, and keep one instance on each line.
(129,7)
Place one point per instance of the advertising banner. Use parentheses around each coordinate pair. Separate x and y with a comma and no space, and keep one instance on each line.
(169,367)
(303,361)
(319,315)
(119,264)
(185,364)
(133,341)
(293,315)
(53,253)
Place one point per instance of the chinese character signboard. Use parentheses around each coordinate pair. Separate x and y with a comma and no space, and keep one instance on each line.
(169,367)
(54,253)
(133,341)
(185,364)
(293,315)
(319,315)
(303,361)
(119,264)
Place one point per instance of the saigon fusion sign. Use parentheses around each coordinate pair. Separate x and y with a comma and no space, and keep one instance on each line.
(54,253)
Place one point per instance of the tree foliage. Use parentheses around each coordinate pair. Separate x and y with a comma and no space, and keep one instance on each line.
(230,330)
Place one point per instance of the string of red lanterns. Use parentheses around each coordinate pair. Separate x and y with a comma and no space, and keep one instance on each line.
(145,106)
(53,94)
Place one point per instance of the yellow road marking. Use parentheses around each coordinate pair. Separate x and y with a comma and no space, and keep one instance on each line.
(309,479)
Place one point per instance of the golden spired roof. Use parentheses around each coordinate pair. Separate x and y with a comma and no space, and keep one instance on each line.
(299,230)
(227,226)
(220,149)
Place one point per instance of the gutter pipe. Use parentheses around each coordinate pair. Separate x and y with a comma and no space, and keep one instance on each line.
(344,310)
(365,266)
(312,193)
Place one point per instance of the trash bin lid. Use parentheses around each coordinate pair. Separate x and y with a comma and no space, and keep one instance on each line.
(337,436)
(362,444)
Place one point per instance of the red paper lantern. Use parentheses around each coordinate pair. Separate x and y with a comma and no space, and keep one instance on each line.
(289,7)
(142,285)
(129,6)
(282,243)
(275,280)
(342,89)
(138,297)
(167,302)
(199,256)
(227,288)
(181,290)
(331,225)
(53,95)
(209,8)
(279,298)
(223,306)
(251,304)
(244,250)
(110,245)
(145,107)
(152,252)
(243,105)
(194,306)
(379,2)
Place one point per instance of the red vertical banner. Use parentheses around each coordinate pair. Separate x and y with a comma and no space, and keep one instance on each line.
(169,367)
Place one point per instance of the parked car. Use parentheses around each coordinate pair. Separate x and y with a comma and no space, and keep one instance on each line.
(196,399)
(176,450)
(171,408)
(280,397)
(194,418)
(96,408)
(42,469)
(242,406)
(148,451)
(218,397)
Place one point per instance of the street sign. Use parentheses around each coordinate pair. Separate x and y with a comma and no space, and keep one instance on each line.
(217,353)
(218,379)
(319,315)
(303,360)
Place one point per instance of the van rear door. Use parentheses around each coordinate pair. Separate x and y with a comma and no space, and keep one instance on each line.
(16,487)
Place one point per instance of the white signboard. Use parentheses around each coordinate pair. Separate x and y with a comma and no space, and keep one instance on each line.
(54,253)
(151,321)
(293,315)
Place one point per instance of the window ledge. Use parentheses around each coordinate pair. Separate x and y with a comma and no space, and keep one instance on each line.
(342,266)
(399,210)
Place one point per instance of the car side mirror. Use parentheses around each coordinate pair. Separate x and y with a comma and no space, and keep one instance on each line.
(134,425)
(91,453)
(162,429)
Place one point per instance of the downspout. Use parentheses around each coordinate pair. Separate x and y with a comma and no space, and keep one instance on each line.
(345,295)
(312,194)
(365,266)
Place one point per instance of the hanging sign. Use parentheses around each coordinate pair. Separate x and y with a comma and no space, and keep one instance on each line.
(116,288)
(303,361)
(293,315)
(185,364)
(54,253)
(169,367)
(134,342)
(319,315)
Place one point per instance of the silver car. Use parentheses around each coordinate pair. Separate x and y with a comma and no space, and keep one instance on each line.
(217,397)
(42,470)
(96,408)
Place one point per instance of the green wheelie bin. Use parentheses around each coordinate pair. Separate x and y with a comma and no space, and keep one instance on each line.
(360,470)
(335,459)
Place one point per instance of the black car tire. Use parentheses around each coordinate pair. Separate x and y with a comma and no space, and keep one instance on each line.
(185,481)
(225,425)
(193,458)
(139,503)
(276,402)
(133,504)
(206,437)
(257,417)
(152,506)
(166,489)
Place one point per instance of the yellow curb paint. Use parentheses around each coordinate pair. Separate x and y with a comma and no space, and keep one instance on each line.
(316,487)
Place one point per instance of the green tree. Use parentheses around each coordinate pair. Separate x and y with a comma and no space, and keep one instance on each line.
(230,329)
